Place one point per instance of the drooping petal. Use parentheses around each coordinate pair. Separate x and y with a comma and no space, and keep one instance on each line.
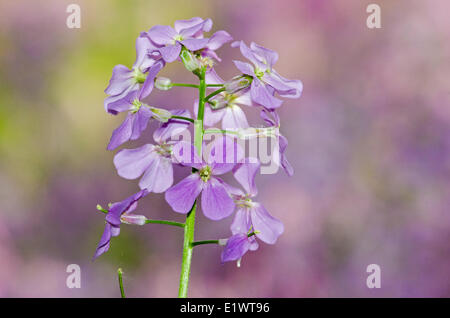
(261,95)
(103,245)
(295,85)
(236,247)
(122,78)
(131,163)
(162,34)
(143,49)
(241,221)
(216,203)
(140,122)
(195,44)
(287,167)
(124,103)
(185,24)
(280,86)
(245,173)
(171,52)
(149,83)
(223,154)
(181,196)
(122,133)
(266,56)
(218,39)
(158,176)
(250,55)
(120,99)
(245,68)
(267,227)
(126,206)
(172,127)
(234,117)
(184,153)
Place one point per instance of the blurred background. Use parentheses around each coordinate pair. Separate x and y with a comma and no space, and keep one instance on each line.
(369,141)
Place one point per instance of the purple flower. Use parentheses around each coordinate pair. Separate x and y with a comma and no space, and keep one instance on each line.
(236,246)
(152,162)
(185,32)
(266,81)
(214,43)
(252,216)
(124,80)
(120,212)
(138,113)
(272,118)
(220,157)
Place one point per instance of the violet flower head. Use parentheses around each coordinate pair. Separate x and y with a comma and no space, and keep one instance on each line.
(250,215)
(139,113)
(125,80)
(152,162)
(187,33)
(220,158)
(273,120)
(120,212)
(266,81)
(236,247)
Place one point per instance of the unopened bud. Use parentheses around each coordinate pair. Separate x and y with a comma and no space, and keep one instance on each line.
(189,60)
(163,83)
(237,83)
(160,114)
(218,102)
(133,219)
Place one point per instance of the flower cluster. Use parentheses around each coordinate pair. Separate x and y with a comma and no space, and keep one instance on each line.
(258,86)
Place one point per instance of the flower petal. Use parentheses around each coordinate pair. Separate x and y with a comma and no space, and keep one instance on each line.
(121,79)
(147,87)
(266,56)
(216,203)
(211,117)
(236,247)
(241,222)
(218,39)
(158,176)
(245,68)
(131,163)
(234,117)
(162,34)
(121,103)
(261,95)
(184,153)
(211,77)
(103,245)
(245,173)
(185,24)
(250,55)
(171,52)
(172,127)
(223,154)
(122,133)
(195,44)
(140,122)
(269,228)
(181,197)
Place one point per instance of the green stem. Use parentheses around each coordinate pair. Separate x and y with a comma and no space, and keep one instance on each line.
(119,274)
(205,242)
(183,118)
(184,85)
(220,90)
(190,218)
(214,85)
(164,222)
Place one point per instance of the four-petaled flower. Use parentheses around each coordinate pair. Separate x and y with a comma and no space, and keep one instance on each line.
(266,81)
(236,247)
(185,33)
(120,212)
(154,162)
(220,158)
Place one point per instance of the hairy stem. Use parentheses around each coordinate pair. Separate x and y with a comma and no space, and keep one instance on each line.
(190,218)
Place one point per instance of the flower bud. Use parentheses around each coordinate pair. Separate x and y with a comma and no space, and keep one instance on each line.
(163,83)
(160,114)
(189,60)
(218,102)
(237,83)
(133,219)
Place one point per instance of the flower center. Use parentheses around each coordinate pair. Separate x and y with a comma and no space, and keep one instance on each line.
(178,37)
(243,201)
(205,173)
(259,73)
(139,77)
(164,150)
(136,106)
